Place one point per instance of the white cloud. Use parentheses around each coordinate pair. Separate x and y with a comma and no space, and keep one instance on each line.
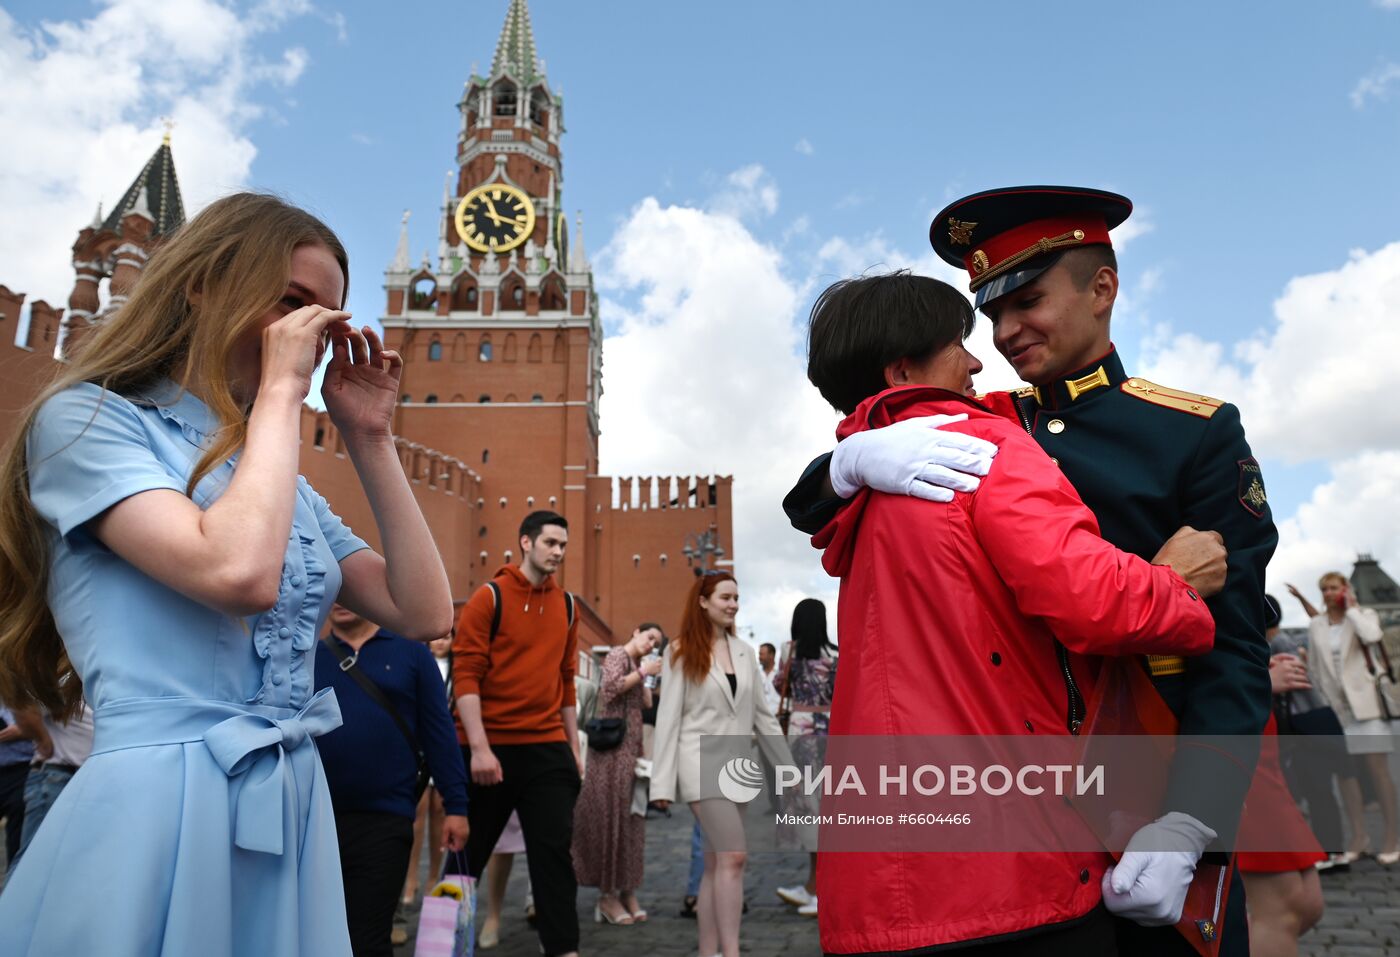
(192,60)
(1388,4)
(708,360)
(1139,224)
(1318,384)
(1376,84)
(804,146)
(708,364)
(748,193)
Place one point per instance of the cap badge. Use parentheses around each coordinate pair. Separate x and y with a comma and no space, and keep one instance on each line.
(980,262)
(959,232)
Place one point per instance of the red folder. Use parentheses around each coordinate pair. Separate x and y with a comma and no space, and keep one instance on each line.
(1126,703)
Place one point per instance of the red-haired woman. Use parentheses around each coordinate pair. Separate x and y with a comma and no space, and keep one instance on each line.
(711,686)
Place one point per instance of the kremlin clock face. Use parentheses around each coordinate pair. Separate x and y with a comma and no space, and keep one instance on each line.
(495,218)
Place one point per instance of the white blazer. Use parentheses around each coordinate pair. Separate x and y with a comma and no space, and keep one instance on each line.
(1355,685)
(687,711)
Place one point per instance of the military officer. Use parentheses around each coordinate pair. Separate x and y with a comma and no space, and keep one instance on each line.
(1147,460)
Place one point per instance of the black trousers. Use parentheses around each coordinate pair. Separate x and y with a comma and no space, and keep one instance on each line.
(12,778)
(539,782)
(1313,754)
(374,849)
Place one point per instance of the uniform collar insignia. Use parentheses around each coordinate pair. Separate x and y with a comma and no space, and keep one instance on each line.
(1082,384)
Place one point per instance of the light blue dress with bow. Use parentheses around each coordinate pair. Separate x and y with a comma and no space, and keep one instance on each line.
(202,824)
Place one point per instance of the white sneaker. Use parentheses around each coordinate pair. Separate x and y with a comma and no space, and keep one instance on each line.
(796,895)
(808,909)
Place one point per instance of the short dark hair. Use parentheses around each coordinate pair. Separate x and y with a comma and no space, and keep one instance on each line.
(1085,262)
(770,646)
(536,521)
(859,326)
(649,625)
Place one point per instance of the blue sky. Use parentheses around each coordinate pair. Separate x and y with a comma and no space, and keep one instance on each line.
(1259,145)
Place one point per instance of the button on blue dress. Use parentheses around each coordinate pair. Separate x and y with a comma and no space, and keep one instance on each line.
(201,824)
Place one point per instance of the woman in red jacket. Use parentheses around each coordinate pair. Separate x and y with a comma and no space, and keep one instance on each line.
(970,618)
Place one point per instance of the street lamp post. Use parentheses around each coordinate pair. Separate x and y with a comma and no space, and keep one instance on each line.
(702,547)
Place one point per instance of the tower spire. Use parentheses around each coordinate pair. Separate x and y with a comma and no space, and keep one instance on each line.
(155,194)
(515,50)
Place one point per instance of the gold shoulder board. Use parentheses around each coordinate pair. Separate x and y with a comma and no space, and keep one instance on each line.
(1192,403)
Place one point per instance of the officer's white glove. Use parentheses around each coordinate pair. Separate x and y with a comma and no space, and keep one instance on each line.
(913,457)
(1148,885)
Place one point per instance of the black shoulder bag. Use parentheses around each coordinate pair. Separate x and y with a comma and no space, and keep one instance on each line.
(347,665)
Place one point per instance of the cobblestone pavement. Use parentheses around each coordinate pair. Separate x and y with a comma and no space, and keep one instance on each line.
(1362,917)
(770,927)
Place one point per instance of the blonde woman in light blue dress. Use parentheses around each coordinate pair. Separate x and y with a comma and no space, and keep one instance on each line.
(160,556)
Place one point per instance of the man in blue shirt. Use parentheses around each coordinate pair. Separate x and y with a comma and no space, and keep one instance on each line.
(372,769)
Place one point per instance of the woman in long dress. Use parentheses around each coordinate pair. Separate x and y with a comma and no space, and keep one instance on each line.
(609,840)
(160,556)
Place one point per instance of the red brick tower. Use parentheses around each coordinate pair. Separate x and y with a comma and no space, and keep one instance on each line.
(115,249)
(500,332)
(502,350)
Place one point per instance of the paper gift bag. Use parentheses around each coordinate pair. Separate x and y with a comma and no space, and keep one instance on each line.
(445,924)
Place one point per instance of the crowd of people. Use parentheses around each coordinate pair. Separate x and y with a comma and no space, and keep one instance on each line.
(227,710)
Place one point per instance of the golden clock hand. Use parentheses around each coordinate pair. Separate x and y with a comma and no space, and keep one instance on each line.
(496,217)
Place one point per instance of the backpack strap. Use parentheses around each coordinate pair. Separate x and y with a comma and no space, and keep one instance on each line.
(569,604)
(495,611)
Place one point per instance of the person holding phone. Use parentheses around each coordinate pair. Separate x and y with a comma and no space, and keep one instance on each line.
(161,558)
(1343,657)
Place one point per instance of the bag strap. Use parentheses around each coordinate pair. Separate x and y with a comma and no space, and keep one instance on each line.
(495,611)
(1385,657)
(569,604)
(348,665)
(1371,665)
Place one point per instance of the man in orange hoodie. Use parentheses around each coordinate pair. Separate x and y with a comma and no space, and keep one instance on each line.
(514,658)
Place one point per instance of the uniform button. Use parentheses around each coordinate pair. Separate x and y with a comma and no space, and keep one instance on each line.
(1084,876)
(1029,728)
(296,580)
(1193,596)
(1056,426)
(285,632)
(1055,460)
(277,679)
(996,658)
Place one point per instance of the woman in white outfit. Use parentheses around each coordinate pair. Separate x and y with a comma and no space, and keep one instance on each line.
(713,687)
(1339,642)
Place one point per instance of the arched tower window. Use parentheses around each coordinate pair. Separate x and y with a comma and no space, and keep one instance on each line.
(505,99)
(509,355)
(431,398)
(552,294)
(483,353)
(435,350)
(539,108)
(459,347)
(513,293)
(464,295)
(558,347)
(424,293)
(535,351)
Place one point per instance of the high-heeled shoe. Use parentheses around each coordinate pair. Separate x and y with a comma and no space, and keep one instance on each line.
(600,915)
(1351,857)
(1388,858)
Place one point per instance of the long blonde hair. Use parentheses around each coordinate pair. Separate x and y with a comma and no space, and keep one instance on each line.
(235,258)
